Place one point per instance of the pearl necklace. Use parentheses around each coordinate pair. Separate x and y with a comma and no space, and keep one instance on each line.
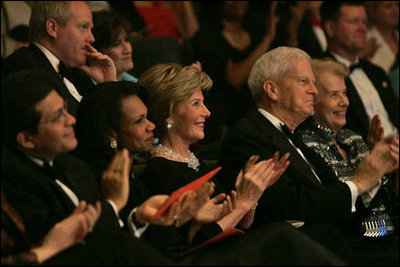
(192,161)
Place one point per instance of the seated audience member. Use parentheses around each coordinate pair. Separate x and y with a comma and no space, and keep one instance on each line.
(383,34)
(282,84)
(16,250)
(368,87)
(227,47)
(342,149)
(45,184)
(112,118)
(176,106)
(121,121)
(111,33)
(60,35)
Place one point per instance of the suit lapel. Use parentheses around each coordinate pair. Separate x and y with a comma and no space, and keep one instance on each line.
(274,136)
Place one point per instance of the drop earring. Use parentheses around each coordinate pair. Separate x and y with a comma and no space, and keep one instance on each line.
(169,124)
(113,144)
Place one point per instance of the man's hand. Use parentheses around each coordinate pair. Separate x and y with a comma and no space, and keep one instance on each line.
(101,67)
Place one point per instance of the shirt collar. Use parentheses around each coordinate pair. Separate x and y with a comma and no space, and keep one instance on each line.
(274,120)
(39,161)
(343,60)
(54,61)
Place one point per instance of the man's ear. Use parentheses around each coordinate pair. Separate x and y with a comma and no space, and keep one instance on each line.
(271,89)
(26,140)
(52,27)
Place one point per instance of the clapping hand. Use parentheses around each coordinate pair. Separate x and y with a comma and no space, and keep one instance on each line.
(115,180)
(180,212)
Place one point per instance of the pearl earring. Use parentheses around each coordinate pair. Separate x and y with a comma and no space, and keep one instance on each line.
(113,144)
(169,124)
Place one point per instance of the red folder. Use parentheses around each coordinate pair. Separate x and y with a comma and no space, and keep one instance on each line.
(176,195)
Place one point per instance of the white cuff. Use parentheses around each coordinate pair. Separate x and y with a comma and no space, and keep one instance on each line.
(121,223)
(137,232)
(354,194)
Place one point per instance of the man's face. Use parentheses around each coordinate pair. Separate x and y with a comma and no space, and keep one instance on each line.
(350,31)
(296,93)
(55,129)
(73,39)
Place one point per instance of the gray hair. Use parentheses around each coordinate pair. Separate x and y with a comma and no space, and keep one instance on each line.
(60,11)
(274,66)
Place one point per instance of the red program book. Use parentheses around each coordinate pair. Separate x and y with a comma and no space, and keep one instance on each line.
(176,195)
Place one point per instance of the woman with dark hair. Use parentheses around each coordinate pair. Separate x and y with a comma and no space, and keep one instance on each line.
(111,33)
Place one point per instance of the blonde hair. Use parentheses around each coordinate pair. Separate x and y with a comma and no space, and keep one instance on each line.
(168,85)
(320,66)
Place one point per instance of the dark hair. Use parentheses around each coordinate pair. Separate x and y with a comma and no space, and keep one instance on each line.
(20,33)
(330,10)
(20,92)
(107,26)
(99,113)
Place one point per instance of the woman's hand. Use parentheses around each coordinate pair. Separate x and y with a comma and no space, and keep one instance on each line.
(216,208)
(180,212)
(115,180)
(256,177)
(375,132)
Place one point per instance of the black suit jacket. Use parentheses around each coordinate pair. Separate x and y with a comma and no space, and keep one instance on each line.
(297,194)
(40,201)
(33,58)
(356,116)
(308,40)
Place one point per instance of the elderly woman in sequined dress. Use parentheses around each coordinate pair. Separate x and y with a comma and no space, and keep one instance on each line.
(343,149)
(175,103)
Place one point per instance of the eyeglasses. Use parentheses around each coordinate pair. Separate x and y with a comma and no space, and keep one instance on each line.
(60,116)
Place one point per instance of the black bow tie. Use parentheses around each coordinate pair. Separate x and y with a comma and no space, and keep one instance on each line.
(355,66)
(62,69)
(49,170)
(296,139)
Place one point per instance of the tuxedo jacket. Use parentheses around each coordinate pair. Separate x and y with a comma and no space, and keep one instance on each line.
(32,57)
(308,40)
(356,116)
(297,195)
(40,201)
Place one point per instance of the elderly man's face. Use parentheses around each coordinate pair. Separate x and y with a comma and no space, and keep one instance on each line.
(73,39)
(297,92)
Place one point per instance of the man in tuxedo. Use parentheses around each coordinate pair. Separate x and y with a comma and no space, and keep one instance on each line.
(45,184)
(282,85)
(368,87)
(61,37)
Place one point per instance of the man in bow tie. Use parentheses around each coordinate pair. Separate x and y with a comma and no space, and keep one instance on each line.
(61,32)
(368,87)
(283,87)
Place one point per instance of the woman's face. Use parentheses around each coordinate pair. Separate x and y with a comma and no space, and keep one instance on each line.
(189,118)
(121,53)
(136,131)
(332,102)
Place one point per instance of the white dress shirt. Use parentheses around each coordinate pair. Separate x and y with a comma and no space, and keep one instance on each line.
(55,62)
(369,96)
